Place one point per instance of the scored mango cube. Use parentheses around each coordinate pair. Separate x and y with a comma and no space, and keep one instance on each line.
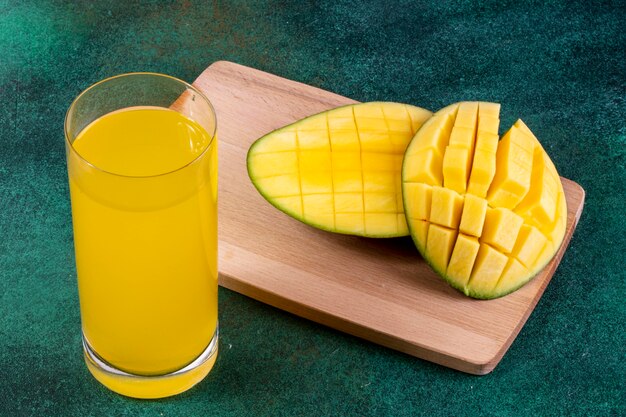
(488,268)
(349,222)
(501,228)
(314,161)
(377,223)
(456,168)
(473,215)
(488,124)
(313,140)
(380,202)
(347,181)
(462,260)
(291,203)
(277,163)
(439,244)
(344,140)
(539,204)
(348,203)
(346,161)
(483,171)
(510,278)
(528,246)
(338,124)
(462,137)
(489,109)
(427,170)
(317,208)
(418,195)
(513,170)
(446,207)
(316,182)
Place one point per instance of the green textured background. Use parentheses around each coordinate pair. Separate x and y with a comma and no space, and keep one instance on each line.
(560,66)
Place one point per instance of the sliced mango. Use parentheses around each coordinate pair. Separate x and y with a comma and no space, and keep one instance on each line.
(340,170)
(487,214)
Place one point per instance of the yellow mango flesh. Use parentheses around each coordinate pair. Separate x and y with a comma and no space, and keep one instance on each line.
(487,214)
(340,170)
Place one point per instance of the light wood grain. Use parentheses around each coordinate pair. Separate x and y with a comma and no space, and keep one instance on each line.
(377,289)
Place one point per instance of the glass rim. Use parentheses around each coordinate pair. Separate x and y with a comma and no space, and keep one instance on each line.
(128,74)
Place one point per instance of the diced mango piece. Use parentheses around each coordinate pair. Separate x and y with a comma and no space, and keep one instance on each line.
(375,141)
(346,161)
(419,230)
(318,209)
(403,228)
(272,164)
(501,228)
(379,161)
(528,246)
(462,260)
(292,204)
(315,123)
(423,167)
(514,275)
(370,125)
(539,204)
(546,254)
(513,169)
(446,207)
(345,140)
(378,181)
(418,197)
(483,171)
(400,126)
(488,124)
(473,216)
(378,223)
(418,117)
(380,202)
(489,109)
(347,181)
(348,203)
(487,141)
(279,185)
(467,115)
(349,223)
(283,141)
(316,182)
(433,135)
(488,267)
(313,140)
(462,137)
(439,244)
(314,161)
(455,168)
(338,124)
(367,111)
(560,223)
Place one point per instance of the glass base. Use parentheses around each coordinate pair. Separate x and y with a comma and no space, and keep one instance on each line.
(140,386)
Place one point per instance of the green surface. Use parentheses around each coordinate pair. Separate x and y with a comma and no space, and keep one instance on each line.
(560,66)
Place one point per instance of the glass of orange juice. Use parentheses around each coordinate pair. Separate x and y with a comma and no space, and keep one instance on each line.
(142,166)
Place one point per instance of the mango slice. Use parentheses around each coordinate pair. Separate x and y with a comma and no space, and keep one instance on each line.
(486,214)
(340,170)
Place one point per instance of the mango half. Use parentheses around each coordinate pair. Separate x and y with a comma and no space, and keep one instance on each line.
(486,214)
(339,170)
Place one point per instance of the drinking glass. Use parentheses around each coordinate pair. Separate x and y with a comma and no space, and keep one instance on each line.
(142,165)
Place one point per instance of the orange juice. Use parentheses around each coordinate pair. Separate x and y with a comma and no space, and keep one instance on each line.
(143,184)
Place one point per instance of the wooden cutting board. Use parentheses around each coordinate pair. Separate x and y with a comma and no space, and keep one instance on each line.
(377,289)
